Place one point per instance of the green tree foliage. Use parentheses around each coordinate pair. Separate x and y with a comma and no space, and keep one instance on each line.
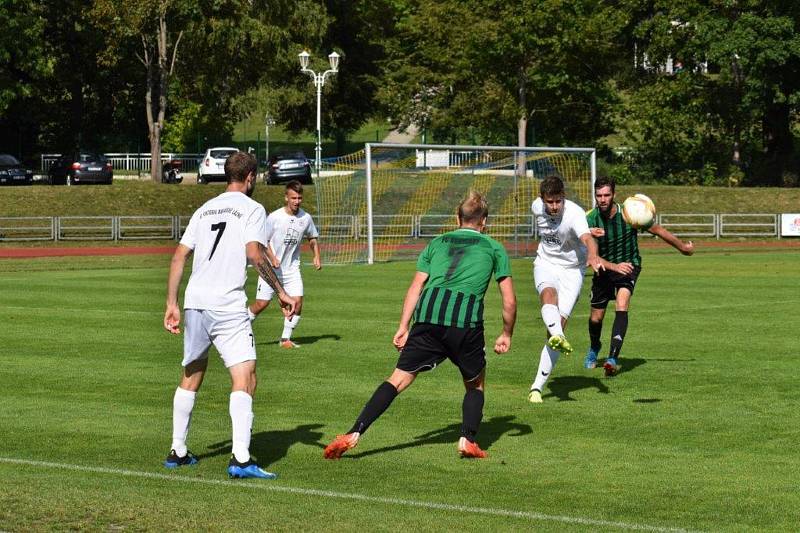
(752,91)
(22,56)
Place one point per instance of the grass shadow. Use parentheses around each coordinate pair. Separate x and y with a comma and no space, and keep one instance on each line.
(627,364)
(490,432)
(561,387)
(309,339)
(270,446)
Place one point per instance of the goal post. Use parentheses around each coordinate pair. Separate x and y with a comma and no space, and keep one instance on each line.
(386,202)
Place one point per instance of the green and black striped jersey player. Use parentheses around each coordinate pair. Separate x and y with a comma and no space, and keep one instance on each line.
(446,301)
(617,243)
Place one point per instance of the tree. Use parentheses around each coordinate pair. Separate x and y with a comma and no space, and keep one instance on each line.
(157,25)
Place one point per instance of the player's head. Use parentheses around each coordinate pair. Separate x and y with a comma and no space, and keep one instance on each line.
(241,167)
(293,196)
(604,193)
(552,192)
(473,211)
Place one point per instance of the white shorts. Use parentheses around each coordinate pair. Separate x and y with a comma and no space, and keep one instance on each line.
(230,332)
(566,281)
(291,280)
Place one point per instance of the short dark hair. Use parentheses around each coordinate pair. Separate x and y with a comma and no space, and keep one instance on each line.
(473,208)
(551,186)
(240,165)
(604,181)
(295,186)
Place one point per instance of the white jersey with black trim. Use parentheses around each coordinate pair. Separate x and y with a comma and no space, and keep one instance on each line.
(218,233)
(559,235)
(285,232)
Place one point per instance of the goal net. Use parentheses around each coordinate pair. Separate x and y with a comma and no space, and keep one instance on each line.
(386,202)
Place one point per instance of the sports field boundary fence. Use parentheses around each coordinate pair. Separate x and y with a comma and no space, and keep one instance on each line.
(417,228)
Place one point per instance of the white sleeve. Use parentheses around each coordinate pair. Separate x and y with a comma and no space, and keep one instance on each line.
(269,229)
(189,238)
(255,228)
(311,230)
(579,223)
(537,207)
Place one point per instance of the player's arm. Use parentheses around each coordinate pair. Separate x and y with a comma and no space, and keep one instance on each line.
(503,342)
(595,261)
(172,315)
(259,257)
(412,297)
(314,243)
(686,248)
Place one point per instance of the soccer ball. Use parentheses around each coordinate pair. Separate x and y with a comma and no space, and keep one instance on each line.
(639,211)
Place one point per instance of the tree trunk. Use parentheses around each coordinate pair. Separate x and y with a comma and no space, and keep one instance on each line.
(522,125)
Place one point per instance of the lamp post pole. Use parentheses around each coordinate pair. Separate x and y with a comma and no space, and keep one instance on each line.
(319,82)
(268,121)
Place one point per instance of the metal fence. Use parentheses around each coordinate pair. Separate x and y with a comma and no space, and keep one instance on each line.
(169,227)
(135,161)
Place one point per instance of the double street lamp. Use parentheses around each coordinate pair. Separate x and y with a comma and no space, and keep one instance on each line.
(319,81)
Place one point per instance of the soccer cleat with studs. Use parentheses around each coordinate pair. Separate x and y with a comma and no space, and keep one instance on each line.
(560,343)
(470,450)
(288,344)
(341,444)
(611,367)
(174,461)
(535,396)
(590,361)
(249,469)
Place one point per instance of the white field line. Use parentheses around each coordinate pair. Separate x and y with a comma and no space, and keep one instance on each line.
(274,487)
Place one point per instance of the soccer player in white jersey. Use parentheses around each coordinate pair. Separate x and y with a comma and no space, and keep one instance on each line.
(565,246)
(224,234)
(286,228)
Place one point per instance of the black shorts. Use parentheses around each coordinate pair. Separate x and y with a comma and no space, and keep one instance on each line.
(430,344)
(606,284)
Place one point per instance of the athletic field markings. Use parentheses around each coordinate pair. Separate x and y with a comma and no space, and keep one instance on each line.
(272,486)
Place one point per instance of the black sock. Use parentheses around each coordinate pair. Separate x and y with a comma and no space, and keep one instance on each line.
(381,400)
(618,331)
(595,329)
(471,413)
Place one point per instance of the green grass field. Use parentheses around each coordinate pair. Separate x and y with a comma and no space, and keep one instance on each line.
(698,432)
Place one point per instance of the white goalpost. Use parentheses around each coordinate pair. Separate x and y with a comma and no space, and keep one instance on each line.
(387,202)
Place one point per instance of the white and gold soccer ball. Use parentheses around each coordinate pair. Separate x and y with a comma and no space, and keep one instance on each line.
(639,211)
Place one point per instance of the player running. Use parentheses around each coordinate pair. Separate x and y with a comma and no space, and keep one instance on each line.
(564,239)
(286,227)
(617,242)
(446,301)
(224,234)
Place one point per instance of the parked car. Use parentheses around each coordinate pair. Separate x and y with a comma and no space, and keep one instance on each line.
(287,167)
(81,167)
(12,172)
(212,167)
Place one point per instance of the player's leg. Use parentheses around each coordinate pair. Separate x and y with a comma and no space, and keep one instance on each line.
(232,334)
(602,291)
(618,331)
(264,295)
(548,283)
(468,353)
(196,343)
(423,351)
(293,285)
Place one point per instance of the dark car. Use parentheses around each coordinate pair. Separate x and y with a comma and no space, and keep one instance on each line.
(80,167)
(12,172)
(287,167)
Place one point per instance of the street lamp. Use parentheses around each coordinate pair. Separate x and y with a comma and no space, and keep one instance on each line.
(268,121)
(319,81)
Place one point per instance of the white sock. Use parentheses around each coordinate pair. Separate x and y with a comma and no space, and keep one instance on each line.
(241,410)
(182,405)
(547,361)
(552,319)
(288,326)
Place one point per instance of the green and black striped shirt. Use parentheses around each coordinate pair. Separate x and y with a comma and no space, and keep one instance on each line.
(459,265)
(619,244)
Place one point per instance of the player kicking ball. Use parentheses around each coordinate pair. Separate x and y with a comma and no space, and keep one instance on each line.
(286,228)
(564,242)
(446,301)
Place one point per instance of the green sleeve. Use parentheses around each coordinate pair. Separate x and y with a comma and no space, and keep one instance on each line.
(502,266)
(424,260)
(592,218)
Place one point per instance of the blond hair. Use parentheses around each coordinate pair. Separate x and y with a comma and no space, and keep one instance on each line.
(473,208)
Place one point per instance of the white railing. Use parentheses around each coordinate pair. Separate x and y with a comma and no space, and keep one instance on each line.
(134,161)
(343,227)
